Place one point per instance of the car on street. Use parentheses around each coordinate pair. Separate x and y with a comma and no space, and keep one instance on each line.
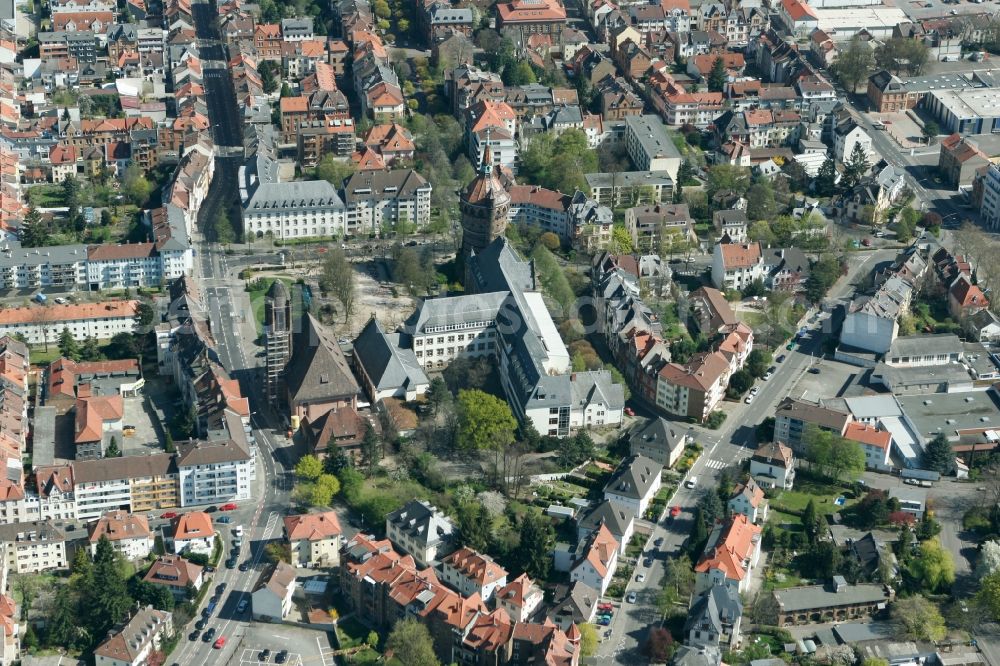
(264,655)
(629,411)
(168,515)
(749,398)
(225,520)
(658,542)
(640,578)
(769,374)
(604,621)
(814,370)
(692,482)
(242,606)
(245,566)
(648,562)
(231,563)
(630,598)
(228,507)
(208,635)
(194,635)
(238,531)
(755,390)
(282,657)
(200,624)
(220,643)
(780,358)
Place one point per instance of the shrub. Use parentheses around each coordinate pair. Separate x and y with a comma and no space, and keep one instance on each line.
(715,420)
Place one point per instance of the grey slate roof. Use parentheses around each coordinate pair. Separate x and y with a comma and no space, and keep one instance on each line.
(422,521)
(380,185)
(13,255)
(318,369)
(469,308)
(303,195)
(615,516)
(634,477)
(924,345)
(596,387)
(652,135)
(660,434)
(499,268)
(687,655)
(718,607)
(387,365)
(579,603)
(629,179)
(808,597)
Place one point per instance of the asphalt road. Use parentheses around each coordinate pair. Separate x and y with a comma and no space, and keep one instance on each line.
(234,329)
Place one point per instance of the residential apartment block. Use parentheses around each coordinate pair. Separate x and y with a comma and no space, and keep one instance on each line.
(30,548)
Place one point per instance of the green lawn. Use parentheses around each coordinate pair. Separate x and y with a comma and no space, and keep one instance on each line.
(351,633)
(366,656)
(822,493)
(46,196)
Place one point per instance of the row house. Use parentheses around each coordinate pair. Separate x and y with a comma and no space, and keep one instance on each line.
(191,181)
(300,57)
(267,41)
(383,587)
(320,105)
(738,26)
(99,132)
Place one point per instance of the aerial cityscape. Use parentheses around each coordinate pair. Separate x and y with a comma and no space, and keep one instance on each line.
(499,333)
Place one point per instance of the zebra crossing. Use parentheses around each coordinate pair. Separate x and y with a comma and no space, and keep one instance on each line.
(716,464)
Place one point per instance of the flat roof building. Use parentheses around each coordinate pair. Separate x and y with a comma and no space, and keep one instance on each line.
(953,414)
(842,23)
(966,111)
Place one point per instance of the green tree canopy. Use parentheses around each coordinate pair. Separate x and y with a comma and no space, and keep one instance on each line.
(717,76)
(308,468)
(534,553)
(855,63)
(411,644)
(938,455)
(917,618)
(934,567)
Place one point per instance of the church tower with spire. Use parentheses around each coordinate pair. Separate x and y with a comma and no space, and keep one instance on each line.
(484,205)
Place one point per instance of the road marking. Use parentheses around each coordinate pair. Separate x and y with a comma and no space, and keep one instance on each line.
(716,464)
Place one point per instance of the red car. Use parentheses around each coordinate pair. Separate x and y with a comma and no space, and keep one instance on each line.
(220,643)
(228,507)
(169,514)
(629,411)
(675,511)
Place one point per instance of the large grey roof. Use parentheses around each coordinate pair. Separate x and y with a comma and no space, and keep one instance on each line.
(13,255)
(659,433)
(629,179)
(386,365)
(380,185)
(634,477)
(596,387)
(652,135)
(301,195)
(614,515)
(924,345)
(422,521)
(808,597)
(318,369)
(466,309)
(499,268)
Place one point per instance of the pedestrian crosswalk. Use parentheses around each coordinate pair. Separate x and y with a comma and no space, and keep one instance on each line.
(716,464)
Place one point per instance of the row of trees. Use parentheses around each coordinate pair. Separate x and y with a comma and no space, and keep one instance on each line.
(900,56)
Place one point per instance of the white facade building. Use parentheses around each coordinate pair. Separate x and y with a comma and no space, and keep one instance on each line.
(43,323)
(213,471)
(299,209)
(990,211)
(33,547)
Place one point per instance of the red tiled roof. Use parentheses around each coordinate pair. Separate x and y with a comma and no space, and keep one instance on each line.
(736,255)
(735,546)
(312,526)
(193,525)
(868,434)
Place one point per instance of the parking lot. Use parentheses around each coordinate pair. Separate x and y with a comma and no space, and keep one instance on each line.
(145,439)
(304,646)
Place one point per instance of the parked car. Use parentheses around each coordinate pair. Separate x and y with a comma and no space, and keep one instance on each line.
(640,578)
(603,621)
(168,515)
(755,390)
(814,370)
(200,624)
(749,399)
(231,563)
(225,520)
(282,657)
(228,507)
(194,635)
(264,655)
(245,566)
(912,482)
(630,598)
(209,635)
(219,644)
(238,530)
(692,482)
(242,606)
(780,359)
(629,411)
(220,588)
(648,562)
(658,542)
(769,374)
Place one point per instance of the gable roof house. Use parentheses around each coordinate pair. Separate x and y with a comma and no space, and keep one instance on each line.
(965,298)
(732,550)
(271,599)
(520,597)
(748,499)
(660,440)
(773,466)
(714,618)
(132,643)
(579,606)
(597,560)
(634,483)
(616,517)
